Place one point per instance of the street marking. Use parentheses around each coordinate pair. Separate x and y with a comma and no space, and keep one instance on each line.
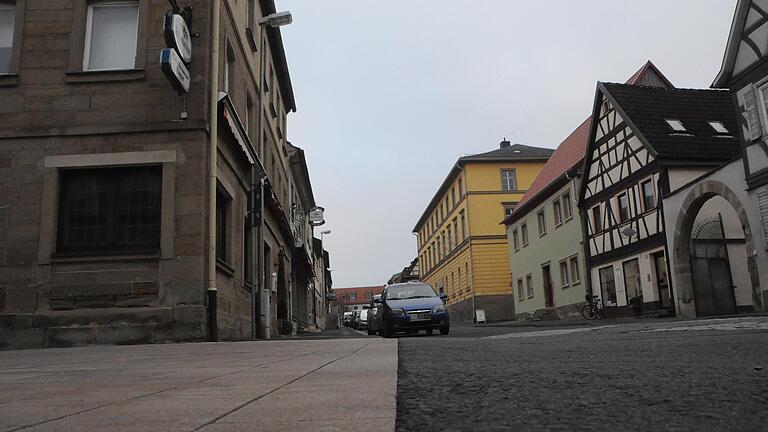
(548,332)
(730,326)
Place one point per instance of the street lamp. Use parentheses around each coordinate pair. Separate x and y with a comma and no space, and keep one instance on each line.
(273,20)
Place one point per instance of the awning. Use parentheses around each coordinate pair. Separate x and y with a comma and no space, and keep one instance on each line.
(237,129)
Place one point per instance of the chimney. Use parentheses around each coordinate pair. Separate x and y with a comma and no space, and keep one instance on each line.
(504,143)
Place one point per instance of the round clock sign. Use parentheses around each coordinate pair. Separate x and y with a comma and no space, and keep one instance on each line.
(177,36)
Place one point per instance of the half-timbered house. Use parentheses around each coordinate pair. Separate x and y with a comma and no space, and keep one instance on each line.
(713,274)
(644,142)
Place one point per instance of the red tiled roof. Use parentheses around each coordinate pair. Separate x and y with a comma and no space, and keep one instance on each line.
(571,152)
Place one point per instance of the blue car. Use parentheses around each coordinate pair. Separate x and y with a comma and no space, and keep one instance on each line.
(411,307)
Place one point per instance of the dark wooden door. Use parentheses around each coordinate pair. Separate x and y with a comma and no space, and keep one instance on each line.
(549,295)
(711,267)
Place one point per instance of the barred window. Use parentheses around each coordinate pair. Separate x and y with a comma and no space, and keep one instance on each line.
(110,210)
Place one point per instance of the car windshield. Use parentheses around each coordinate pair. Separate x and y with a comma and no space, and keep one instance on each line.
(364,314)
(410,292)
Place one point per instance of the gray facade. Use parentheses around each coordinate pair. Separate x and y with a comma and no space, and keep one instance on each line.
(74,141)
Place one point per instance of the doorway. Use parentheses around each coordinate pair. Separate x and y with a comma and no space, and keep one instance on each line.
(549,294)
(712,279)
(662,280)
(634,289)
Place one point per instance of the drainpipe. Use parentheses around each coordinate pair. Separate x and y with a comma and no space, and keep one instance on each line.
(263,321)
(212,164)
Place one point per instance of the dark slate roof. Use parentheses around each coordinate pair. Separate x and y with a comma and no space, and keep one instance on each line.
(512,152)
(648,108)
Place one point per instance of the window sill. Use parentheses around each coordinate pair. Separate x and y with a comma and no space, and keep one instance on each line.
(78,257)
(117,75)
(8,80)
(224,268)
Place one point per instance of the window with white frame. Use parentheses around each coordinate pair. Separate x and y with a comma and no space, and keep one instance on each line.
(529,285)
(111,35)
(575,276)
(565,280)
(524,233)
(542,223)
(567,206)
(520,289)
(558,213)
(7,27)
(508,180)
(649,196)
(597,219)
(515,240)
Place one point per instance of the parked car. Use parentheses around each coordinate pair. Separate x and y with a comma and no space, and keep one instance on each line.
(373,321)
(362,319)
(411,307)
(347,320)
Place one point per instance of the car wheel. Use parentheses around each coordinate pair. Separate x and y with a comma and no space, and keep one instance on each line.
(444,330)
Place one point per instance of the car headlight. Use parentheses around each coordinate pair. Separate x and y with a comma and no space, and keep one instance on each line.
(438,309)
(397,312)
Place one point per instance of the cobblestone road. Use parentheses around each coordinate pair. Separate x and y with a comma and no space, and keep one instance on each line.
(683,376)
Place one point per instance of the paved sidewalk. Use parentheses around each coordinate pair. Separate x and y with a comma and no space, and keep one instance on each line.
(311,385)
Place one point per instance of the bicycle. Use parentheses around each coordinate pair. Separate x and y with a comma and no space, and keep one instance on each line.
(593,309)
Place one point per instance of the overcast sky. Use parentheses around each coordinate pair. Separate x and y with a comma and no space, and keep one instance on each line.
(391,93)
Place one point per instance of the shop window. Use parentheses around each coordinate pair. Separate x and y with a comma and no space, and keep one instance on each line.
(608,286)
(110,210)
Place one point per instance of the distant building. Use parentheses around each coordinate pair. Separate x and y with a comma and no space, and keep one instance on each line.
(356,298)
(409,273)
(462,245)
(546,249)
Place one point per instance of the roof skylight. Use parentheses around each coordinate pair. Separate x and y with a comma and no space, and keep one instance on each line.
(676,125)
(719,127)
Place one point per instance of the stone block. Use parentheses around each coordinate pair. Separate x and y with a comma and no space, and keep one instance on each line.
(64,337)
(149,287)
(91,290)
(94,302)
(132,301)
(129,334)
(22,339)
(62,303)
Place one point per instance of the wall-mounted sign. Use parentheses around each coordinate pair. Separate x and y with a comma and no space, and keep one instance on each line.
(316,216)
(175,70)
(177,36)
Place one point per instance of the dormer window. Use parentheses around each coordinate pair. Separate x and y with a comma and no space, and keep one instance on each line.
(676,125)
(719,128)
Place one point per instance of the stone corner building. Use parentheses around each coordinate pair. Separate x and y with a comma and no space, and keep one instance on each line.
(104,197)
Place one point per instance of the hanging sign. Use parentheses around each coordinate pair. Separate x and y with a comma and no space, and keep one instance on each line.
(177,36)
(174,69)
(316,216)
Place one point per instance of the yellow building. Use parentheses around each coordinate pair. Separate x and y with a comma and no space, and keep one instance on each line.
(462,246)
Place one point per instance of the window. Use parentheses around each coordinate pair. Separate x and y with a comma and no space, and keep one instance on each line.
(529,285)
(447,207)
(676,125)
(249,14)
(524,234)
(247,249)
(111,36)
(597,220)
(368,296)
(575,276)
(248,114)
(229,73)
(461,188)
(608,286)
(508,209)
(110,210)
(508,180)
(7,22)
(351,296)
(223,201)
(649,197)
(567,206)
(466,272)
(719,128)
(455,232)
(463,227)
(453,196)
(448,238)
(515,241)
(558,213)
(565,280)
(542,223)
(520,289)
(623,201)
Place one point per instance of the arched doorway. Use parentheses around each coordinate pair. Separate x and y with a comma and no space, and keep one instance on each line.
(714,270)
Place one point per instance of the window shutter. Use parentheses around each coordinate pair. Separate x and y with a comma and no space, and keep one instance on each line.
(762,203)
(748,103)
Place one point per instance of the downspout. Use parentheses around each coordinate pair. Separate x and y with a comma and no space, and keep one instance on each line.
(264,327)
(212,167)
